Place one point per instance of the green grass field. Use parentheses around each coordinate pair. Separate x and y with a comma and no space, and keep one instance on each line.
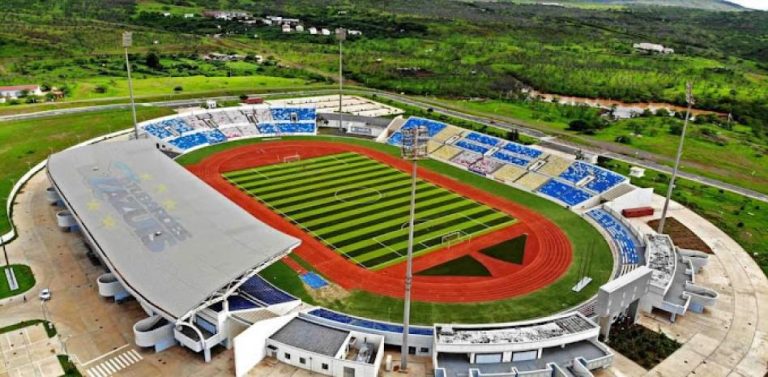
(461,266)
(511,251)
(24,277)
(359,207)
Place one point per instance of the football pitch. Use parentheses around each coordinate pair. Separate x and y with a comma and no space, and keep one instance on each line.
(359,207)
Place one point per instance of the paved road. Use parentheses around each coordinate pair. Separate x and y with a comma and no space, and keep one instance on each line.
(616,152)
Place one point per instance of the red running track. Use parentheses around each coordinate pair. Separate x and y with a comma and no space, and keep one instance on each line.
(548,252)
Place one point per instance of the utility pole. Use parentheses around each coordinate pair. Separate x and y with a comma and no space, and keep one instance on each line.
(341,35)
(414,148)
(689,99)
(127,42)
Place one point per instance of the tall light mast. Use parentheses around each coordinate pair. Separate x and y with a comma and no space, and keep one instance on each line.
(689,99)
(127,42)
(341,35)
(414,148)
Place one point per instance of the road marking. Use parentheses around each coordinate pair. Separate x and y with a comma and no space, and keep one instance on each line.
(114,364)
(105,355)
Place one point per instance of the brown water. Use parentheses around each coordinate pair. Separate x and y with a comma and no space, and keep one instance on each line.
(621,107)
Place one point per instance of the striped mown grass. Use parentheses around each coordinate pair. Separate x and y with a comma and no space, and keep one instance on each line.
(359,207)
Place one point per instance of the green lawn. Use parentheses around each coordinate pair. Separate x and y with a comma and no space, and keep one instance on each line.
(27,142)
(554,298)
(50,330)
(24,277)
(359,207)
(511,251)
(462,266)
(111,87)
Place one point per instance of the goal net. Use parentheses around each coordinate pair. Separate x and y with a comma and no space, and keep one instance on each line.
(292,158)
(453,238)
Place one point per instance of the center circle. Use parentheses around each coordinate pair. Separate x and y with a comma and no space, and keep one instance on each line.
(358,195)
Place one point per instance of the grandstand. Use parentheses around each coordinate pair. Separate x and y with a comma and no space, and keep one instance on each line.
(571,183)
(182,133)
(630,248)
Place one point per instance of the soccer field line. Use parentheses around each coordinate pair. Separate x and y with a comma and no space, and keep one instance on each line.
(475,221)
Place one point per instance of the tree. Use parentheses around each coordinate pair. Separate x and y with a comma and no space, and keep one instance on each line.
(153,61)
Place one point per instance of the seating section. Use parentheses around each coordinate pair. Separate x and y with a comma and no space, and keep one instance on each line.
(216,126)
(483,139)
(565,193)
(555,166)
(602,180)
(509,173)
(293,114)
(446,152)
(628,245)
(532,181)
(466,158)
(433,128)
(367,323)
(472,146)
(522,150)
(447,133)
(201,138)
(486,166)
(511,159)
(261,290)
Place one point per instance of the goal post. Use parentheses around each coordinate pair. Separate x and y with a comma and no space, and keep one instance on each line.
(292,158)
(452,238)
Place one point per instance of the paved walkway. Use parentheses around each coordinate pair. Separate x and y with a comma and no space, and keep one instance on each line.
(730,339)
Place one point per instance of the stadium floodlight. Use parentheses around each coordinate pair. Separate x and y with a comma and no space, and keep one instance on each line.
(341,35)
(128,42)
(689,99)
(414,148)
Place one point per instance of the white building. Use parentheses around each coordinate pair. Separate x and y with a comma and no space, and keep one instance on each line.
(299,29)
(355,32)
(286,28)
(16,91)
(313,30)
(189,15)
(325,32)
(304,343)
(653,47)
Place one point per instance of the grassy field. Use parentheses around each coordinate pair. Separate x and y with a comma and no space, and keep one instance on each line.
(359,207)
(110,87)
(27,142)
(554,298)
(461,266)
(24,277)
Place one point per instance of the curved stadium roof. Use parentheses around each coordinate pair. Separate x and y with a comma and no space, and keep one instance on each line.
(171,239)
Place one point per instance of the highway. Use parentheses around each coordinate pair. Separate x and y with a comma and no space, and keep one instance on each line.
(617,152)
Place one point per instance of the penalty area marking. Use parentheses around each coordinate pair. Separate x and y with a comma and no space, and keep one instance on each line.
(376,195)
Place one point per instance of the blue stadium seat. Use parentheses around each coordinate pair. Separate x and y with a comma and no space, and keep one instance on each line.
(483,139)
(563,192)
(367,323)
(511,159)
(603,179)
(433,128)
(628,244)
(522,150)
(265,292)
(472,147)
(267,128)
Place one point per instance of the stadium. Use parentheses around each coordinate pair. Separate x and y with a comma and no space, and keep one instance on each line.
(251,228)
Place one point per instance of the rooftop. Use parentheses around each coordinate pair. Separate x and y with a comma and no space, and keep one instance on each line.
(516,333)
(171,239)
(311,337)
(661,259)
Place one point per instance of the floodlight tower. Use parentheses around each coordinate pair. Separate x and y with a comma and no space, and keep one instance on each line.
(414,148)
(127,42)
(689,99)
(341,35)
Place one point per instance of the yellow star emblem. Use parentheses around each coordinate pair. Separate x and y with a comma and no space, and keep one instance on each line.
(169,205)
(109,222)
(94,205)
(161,188)
(145,177)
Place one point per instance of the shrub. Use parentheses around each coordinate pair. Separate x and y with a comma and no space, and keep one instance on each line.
(623,139)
